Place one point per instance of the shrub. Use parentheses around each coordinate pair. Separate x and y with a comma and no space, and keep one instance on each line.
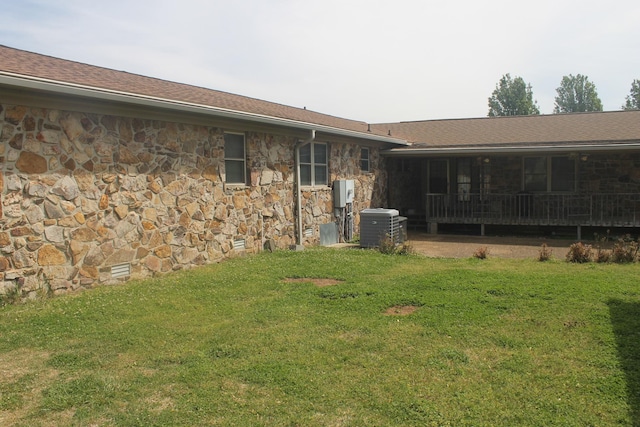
(405,249)
(625,250)
(579,253)
(481,253)
(389,246)
(602,255)
(545,253)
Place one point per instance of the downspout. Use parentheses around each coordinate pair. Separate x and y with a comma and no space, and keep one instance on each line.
(311,138)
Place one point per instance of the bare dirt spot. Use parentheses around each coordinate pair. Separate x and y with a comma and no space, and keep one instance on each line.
(321,283)
(159,403)
(19,364)
(401,310)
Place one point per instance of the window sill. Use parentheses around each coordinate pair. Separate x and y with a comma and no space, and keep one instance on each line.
(237,186)
(314,187)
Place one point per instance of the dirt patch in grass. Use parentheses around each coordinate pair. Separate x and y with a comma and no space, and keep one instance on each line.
(401,310)
(319,282)
(24,367)
(18,363)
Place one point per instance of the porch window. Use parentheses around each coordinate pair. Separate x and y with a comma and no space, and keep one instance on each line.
(547,173)
(535,173)
(439,176)
(563,174)
(464,180)
(364,159)
(314,164)
(485,176)
(234,158)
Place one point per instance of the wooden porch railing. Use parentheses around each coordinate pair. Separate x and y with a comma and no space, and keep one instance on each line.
(615,210)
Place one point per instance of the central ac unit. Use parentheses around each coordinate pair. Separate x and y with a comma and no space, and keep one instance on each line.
(379,224)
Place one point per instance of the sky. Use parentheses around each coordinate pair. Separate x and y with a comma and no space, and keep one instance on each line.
(369,60)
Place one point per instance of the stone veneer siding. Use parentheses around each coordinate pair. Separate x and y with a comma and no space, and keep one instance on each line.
(83,192)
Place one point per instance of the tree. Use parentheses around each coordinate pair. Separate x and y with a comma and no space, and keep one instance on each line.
(633,99)
(512,97)
(577,94)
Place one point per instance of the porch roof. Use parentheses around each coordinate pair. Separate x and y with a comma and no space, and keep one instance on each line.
(34,71)
(587,131)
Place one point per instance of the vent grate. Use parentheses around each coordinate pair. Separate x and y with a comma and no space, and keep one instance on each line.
(308,232)
(120,270)
(238,245)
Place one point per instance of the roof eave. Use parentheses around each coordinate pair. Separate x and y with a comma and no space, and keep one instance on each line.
(458,151)
(66,88)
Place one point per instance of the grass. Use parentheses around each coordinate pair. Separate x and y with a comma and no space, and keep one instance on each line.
(492,342)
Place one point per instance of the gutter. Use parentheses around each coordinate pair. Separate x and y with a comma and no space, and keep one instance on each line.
(64,88)
(299,144)
(450,151)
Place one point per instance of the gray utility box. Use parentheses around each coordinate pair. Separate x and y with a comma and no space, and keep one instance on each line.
(378,224)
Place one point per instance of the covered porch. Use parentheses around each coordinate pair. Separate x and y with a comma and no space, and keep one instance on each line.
(597,189)
(579,170)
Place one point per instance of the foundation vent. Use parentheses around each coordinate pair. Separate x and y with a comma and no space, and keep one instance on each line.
(120,270)
(238,245)
(308,232)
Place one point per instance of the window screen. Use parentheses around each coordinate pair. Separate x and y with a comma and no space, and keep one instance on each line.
(234,158)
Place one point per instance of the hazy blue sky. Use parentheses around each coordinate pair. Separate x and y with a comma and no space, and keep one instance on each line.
(370,60)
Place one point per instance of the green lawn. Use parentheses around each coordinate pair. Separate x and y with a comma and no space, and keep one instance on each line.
(493,343)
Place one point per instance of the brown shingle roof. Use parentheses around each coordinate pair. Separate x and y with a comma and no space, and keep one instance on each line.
(46,67)
(556,129)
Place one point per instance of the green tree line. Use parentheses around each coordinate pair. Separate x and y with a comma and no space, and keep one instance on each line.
(514,97)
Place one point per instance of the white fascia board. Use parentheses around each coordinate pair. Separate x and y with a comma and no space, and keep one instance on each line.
(64,88)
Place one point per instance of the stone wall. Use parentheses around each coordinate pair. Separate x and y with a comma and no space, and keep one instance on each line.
(505,174)
(609,173)
(84,192)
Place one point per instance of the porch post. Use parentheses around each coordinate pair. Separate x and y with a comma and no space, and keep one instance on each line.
(433,228)
(579,232)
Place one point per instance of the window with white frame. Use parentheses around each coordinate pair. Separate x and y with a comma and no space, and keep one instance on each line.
(364,159)
(549,173)
(314,164)
(235,158)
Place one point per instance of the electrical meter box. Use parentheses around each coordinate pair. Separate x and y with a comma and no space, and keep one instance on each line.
(343,191)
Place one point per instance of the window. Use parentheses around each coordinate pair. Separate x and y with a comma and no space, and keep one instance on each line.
(364,159)
(485,176)
(563,174)
(535,174)
(549,173)
(234,158)
(438,176)
(313,164)
(464,180)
